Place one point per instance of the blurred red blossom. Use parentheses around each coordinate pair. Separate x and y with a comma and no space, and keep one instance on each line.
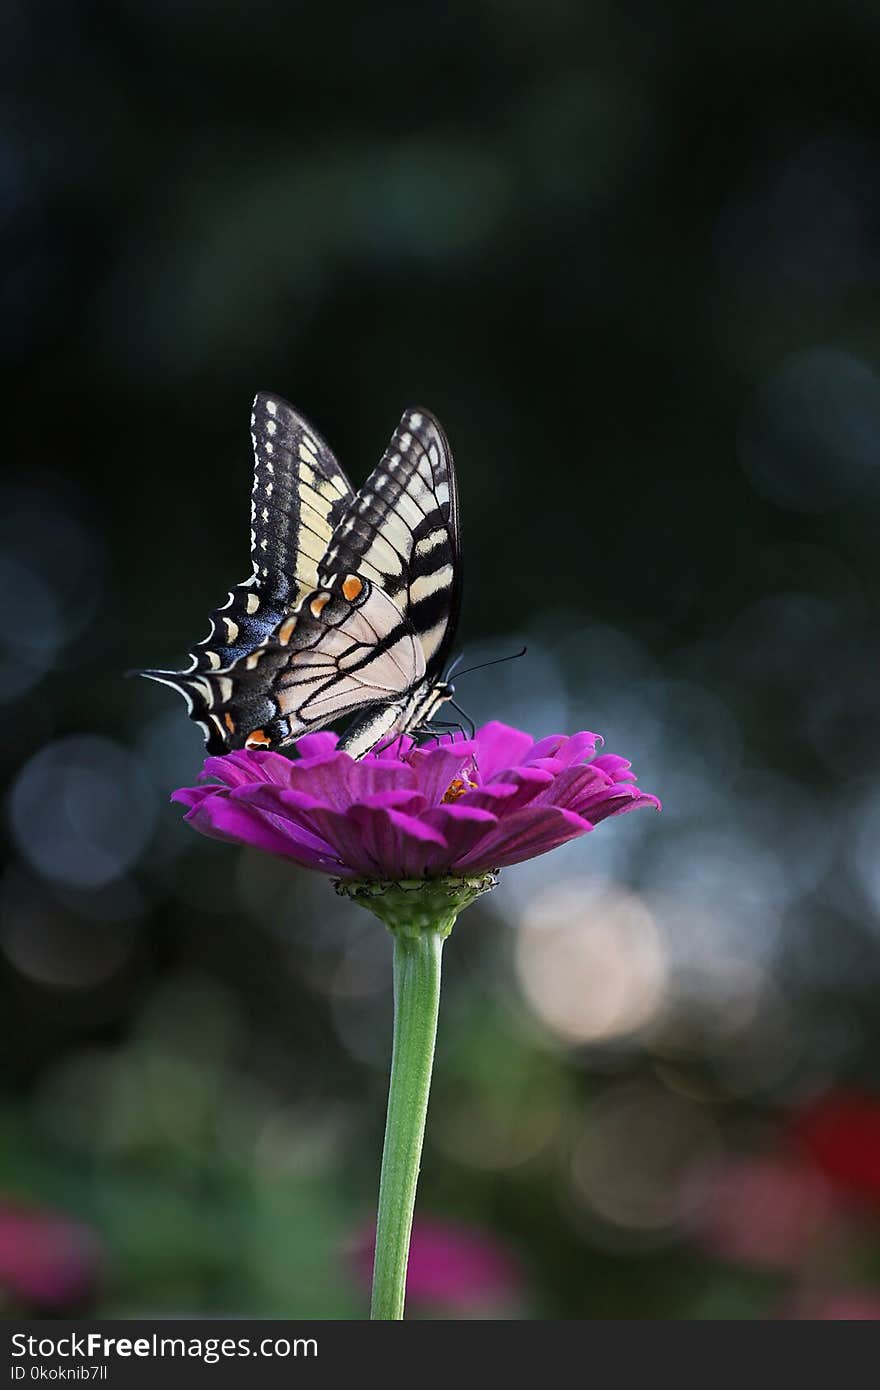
(464,1267)
(48,1261)
(841,1132)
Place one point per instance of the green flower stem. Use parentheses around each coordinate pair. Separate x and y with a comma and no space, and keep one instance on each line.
(416,1005)
(420,914)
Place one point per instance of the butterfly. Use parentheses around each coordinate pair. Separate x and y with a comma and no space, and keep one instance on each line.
(353,601)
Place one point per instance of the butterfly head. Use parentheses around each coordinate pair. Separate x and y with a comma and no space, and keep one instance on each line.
(440,692)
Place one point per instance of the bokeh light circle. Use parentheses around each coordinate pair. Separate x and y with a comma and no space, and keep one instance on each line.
(82,811)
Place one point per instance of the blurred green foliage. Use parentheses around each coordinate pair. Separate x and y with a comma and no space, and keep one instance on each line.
(629,255)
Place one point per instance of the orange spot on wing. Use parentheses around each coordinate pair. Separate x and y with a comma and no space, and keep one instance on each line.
(257,738)
(285,632)
(229,722)
(318,604)
(352,587)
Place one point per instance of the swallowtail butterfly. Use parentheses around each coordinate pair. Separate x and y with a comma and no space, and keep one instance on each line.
(352,604)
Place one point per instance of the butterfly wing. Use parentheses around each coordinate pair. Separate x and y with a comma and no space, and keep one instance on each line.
(344,650)
(375,634)
(403,534)
(299,494)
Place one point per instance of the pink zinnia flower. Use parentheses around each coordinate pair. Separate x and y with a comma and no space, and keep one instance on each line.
(48,1262)
(461,1266)
(452,807)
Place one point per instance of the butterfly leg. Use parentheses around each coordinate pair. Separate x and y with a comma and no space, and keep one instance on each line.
(466,717)
(444,729)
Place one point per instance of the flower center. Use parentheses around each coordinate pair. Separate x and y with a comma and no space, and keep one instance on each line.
(457,787)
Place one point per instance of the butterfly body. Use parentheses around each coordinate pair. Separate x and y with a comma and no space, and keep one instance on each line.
(352,604)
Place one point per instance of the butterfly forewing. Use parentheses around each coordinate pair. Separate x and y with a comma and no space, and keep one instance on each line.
(299,493)
(393,561)
(402,533)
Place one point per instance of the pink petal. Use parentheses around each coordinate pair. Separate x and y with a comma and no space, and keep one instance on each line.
(316,745)
(562,750)
(303,818)
(279,801)
(225,819)
(531,831)
(614,802)
(520,785)
(492,797)
(245,765)
(500,746)
(548,747)
(268,766)
(393,752)
(618,769)
(462,829)
(396,799)
(394,841)
(340,781)
(573,785)
(435,768)
(311,817)
(372,775)
(191,796)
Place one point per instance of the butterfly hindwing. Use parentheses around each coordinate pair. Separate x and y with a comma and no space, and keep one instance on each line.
(343,651)
(299,493)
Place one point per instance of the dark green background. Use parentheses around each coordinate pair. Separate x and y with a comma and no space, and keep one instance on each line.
(630,256)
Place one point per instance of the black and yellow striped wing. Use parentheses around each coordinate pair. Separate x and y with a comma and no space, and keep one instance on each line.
(371,640)
(299,494)
(402,534)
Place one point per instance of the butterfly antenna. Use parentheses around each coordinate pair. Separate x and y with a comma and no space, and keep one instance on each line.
(499,660)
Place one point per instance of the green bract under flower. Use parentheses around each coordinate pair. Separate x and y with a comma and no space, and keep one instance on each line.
(417,904)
